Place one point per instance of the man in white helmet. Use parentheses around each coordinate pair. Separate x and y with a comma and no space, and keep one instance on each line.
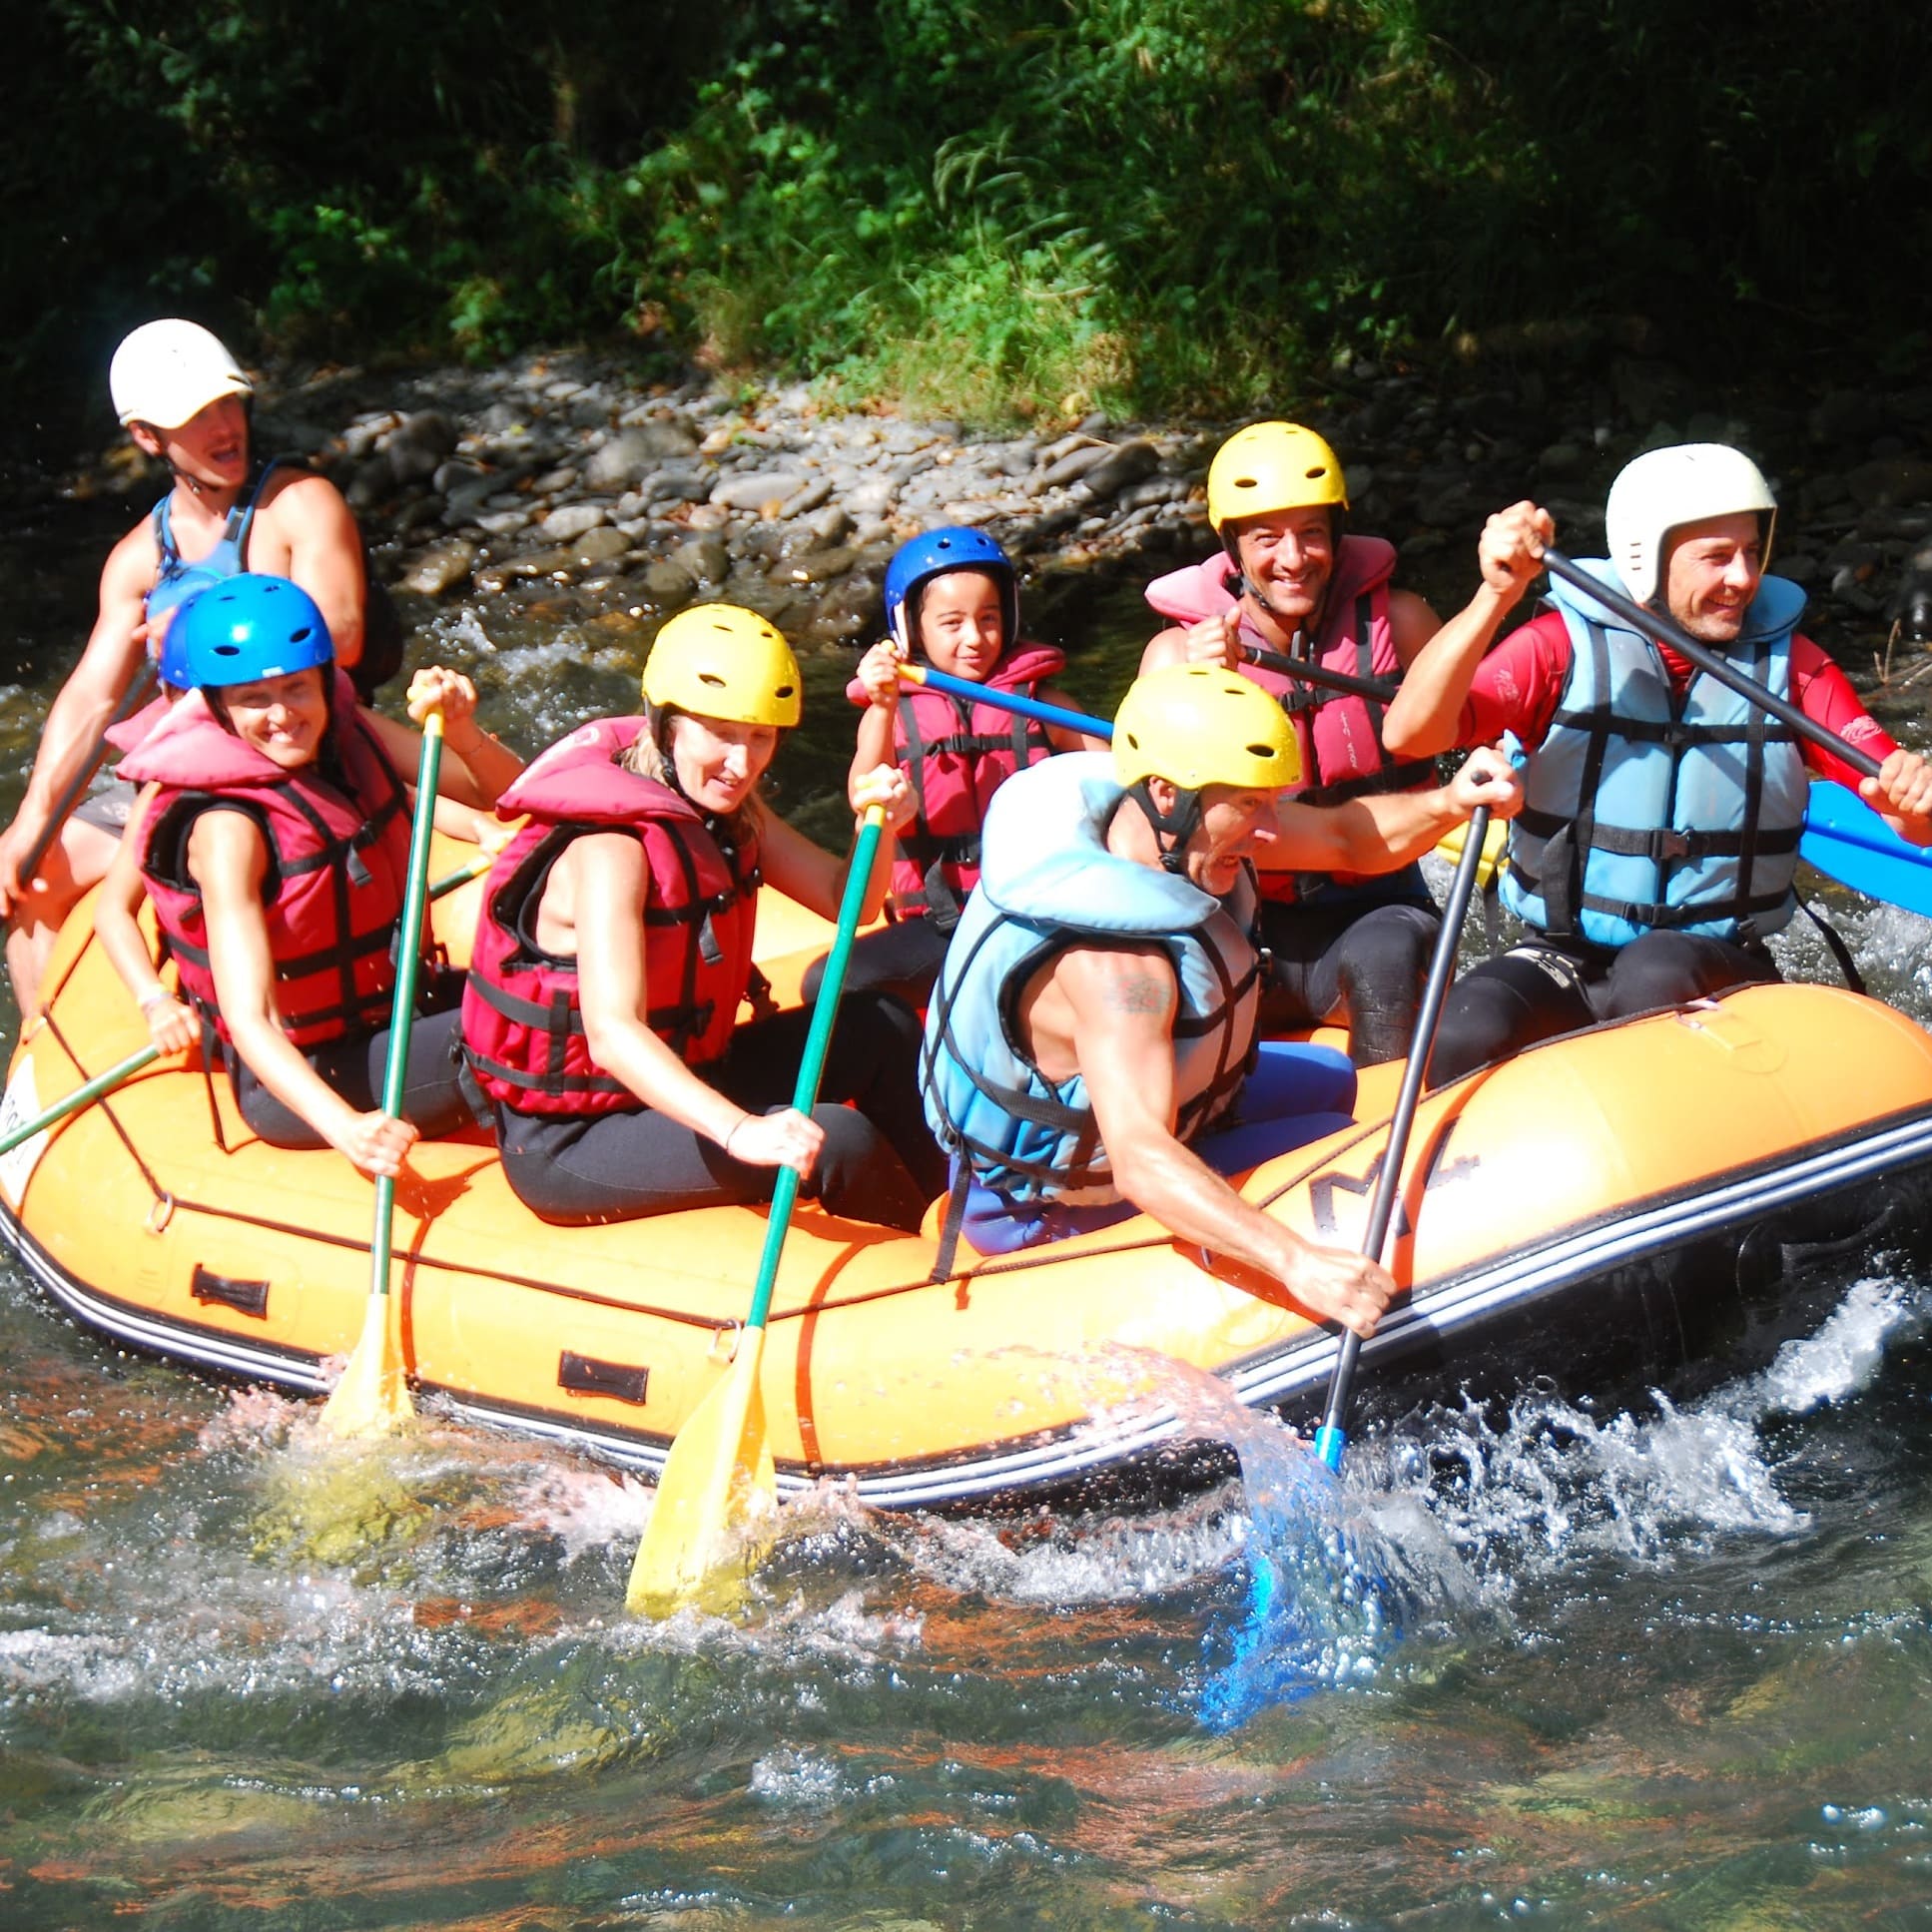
(1658,838)
(184,399)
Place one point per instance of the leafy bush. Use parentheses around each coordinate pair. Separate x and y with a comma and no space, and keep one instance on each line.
(984,207)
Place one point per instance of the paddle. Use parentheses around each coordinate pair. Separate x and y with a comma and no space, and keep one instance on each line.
(1381,690)
(80,1096)
(1332,1436)
(1861,852)
(1451,847)
(137,692)
(372,1397)
(719,1471)
(1844,837)
(1014,701)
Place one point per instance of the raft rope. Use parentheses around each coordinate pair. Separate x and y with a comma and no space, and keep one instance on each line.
(1047,1256)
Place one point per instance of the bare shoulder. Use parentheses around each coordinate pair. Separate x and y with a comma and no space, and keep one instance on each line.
(132,563)
(292,490)
(1119,982)
(1166,647)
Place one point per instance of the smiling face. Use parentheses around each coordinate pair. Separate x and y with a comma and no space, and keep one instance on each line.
(210,448)
(1287,558)
(285,717)
(962,626)
(718,761)
(1712,571)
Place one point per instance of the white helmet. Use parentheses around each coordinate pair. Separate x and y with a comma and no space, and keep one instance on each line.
(168,371)
(1663,490)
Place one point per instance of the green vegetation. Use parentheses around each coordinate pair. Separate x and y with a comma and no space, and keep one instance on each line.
(989,208)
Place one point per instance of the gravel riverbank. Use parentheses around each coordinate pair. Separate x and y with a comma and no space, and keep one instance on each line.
(557,486)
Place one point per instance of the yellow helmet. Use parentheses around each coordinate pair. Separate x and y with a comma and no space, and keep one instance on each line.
(1197,725)
(722,661)
(1270,466)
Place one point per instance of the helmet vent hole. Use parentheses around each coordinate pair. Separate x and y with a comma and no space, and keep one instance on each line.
(711,678)
(300,636)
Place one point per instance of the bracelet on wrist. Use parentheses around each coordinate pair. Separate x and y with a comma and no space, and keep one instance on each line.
(152,996)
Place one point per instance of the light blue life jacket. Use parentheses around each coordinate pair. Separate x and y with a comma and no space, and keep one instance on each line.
(1648,809)
(175,580)
(1048,881)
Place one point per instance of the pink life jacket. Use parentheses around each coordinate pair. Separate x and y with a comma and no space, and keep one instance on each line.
(522,1014)
(956,754)
(339,860)
(1339,732)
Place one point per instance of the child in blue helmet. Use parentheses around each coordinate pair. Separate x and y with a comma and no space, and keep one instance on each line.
(273,838)
(953,602)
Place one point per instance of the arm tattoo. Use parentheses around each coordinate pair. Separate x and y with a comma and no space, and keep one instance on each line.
(1139,992)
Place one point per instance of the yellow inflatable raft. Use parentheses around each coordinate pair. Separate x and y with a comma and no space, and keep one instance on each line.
(1639,1197)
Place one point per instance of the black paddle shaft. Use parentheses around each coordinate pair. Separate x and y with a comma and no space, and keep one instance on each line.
(1381,690)
(1668,631)
(1441,969)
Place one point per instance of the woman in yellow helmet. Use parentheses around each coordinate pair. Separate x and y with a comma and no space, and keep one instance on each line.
(615,945)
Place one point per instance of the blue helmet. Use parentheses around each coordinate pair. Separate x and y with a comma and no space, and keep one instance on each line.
(955,547)
(245,627)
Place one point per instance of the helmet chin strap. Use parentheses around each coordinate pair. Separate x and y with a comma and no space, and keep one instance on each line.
(1177,825)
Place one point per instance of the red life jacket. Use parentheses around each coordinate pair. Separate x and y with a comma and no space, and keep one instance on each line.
(339,862)
(1340,733)
(956,754)
(522,1015)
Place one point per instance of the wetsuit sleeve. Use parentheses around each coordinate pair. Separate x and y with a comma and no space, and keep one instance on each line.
(1823,693)
(1517,687)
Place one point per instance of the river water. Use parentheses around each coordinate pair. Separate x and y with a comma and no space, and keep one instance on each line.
(1646,1666)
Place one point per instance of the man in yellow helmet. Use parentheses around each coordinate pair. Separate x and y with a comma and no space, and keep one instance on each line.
(1090,1044)
(1291,582)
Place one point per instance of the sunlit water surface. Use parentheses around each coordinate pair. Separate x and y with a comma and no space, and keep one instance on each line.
(1656,1667)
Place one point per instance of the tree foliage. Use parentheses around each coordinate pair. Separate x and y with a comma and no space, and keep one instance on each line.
(985,206)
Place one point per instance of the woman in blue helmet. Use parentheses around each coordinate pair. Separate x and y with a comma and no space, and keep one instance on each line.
(952,601)
(273,838)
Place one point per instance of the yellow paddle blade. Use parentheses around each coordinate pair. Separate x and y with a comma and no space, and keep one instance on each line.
(718,1494)
(1494,847)
(372,1397)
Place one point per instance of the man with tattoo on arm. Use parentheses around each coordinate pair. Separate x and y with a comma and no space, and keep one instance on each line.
(1091,1048)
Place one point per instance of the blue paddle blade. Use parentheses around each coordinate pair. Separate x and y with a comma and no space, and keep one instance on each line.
(1846,839)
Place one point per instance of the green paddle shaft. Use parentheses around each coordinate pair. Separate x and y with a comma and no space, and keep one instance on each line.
(824,1014)
(80,1096)
(409,966)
